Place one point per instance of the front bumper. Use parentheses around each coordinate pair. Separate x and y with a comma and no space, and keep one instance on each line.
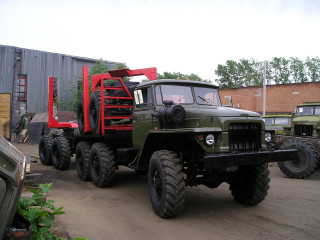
(221,161)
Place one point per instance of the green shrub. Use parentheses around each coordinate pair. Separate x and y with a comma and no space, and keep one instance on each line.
(41,213)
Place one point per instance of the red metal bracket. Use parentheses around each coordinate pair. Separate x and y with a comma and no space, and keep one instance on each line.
(85,82)
(53,123)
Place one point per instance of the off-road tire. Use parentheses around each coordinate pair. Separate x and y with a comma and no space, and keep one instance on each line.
(166,183)
(308,161)
(80,116)
(94,111)
(250,184)
(61,153)
(45,149)
(102,165)
(82,160)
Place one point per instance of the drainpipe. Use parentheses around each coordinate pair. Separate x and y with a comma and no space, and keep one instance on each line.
(264,89)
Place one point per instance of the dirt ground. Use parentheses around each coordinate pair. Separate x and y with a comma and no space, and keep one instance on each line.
(290,211)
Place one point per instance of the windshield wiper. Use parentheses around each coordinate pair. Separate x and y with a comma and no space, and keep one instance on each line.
(207,101)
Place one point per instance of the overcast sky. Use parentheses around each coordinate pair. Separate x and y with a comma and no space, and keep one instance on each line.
(173,35)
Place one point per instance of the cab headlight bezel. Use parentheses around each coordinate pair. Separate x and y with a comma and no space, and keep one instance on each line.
(209,139)
(267,137)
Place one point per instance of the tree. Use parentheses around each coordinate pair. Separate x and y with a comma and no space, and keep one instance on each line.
(280,70)
(313,69)
(249,72)
(298,72)
(178,75)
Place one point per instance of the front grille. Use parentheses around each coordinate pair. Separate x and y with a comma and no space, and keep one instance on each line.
(303,130)
(244,137)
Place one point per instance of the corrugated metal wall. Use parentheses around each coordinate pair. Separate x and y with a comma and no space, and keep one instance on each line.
(38,66)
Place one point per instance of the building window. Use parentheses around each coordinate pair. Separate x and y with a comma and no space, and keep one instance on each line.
(22,87)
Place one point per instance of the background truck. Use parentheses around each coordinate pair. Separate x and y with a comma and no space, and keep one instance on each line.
(176,131)
(277,123)
(304,135)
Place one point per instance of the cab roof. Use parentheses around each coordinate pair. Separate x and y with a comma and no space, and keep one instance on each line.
(309,104)
(178,82)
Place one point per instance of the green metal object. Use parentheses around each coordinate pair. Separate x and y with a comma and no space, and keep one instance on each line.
(278,123)
(12,175)
(232,130)
(306,122)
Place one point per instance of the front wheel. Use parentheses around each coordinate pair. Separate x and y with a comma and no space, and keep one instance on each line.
(250,184)
(166,183)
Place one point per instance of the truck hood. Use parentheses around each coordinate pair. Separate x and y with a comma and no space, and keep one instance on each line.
(306,119)
(219,112)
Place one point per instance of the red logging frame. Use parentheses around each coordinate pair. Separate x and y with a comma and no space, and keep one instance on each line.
(98,81)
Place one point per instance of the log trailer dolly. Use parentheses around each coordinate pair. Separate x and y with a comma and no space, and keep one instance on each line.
(176,131)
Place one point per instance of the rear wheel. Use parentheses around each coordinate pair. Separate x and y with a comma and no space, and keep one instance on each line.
(250,184)
(166,183)
(307,163)
(102,165)
(82,160)
(61,153)
(45,148)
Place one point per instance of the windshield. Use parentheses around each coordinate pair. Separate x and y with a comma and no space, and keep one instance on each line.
(183,95)
(177,94)
(308,110)
(209,96)
(282,121)
(268,121)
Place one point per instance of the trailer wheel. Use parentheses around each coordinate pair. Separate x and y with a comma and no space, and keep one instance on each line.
(45,148)
(308,161)
(102,164)
(94,111)
(250,184)
(82,160)
(166,183)
(61,153)
(80,116)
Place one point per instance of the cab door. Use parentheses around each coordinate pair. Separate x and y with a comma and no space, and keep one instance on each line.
(142,116)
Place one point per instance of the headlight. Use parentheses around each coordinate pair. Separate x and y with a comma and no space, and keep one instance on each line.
(209,139)
(268,137)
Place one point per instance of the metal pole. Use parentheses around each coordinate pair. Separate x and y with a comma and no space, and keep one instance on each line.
(264,89)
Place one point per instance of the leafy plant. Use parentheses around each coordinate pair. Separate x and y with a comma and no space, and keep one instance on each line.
(41,213)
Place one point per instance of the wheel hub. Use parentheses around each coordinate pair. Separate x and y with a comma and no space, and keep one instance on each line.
(157,183)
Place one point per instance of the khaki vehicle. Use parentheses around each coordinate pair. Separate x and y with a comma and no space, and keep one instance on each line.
(12,176)
(277,123)
(176,131)
(305,137)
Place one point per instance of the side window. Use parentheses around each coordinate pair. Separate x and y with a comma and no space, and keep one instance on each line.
(143,97)
(158,95)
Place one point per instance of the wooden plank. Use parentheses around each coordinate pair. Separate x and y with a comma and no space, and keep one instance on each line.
(5,106)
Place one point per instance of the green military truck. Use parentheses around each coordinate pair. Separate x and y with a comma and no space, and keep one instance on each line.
(303,135)
(277,123)
(176,131)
